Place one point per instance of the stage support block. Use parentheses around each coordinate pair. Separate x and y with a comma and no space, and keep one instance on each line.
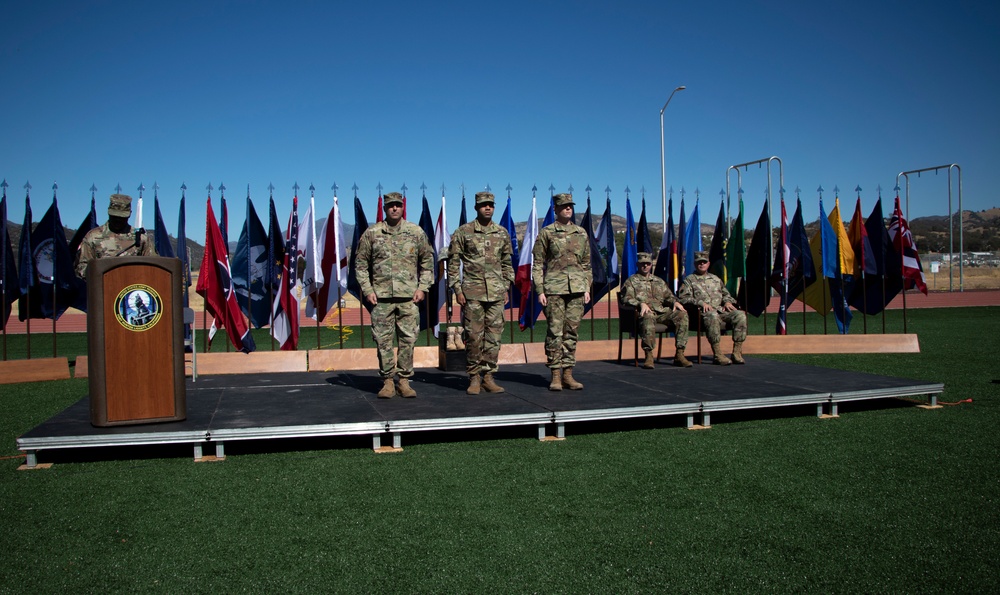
(706,421)
(397,443)
(560,433)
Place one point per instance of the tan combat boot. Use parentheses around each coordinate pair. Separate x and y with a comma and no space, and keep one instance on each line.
(388,389)
(719,359)
(403,387)
(568,380)
(648,363)
(474,382)
(679,360)
(556,383)
(738,353)
(490,384)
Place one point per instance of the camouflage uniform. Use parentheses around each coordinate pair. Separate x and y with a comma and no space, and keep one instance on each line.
(101,242)
(651,290)
(393,263)
(483,254)
(709,289)
(561,270)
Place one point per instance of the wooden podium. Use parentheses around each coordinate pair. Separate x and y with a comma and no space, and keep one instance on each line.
(135,341)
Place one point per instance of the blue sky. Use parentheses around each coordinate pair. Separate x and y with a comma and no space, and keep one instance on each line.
(519,93)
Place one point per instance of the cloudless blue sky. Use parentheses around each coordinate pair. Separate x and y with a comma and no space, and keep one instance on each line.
(525,93)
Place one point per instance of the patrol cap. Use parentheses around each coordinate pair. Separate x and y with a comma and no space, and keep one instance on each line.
(392,198)
(644,258)
(120,205)
(700,256)
(484,198)
(561,200)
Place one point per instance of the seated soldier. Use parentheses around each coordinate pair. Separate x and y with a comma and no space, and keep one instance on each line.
(656,304)
(708,293)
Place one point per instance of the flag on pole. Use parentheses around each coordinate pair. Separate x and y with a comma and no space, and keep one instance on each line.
(442,239)
(275,252)
(666,260)
(801,272)
(462,217)
(428,313)
(309,275)
(717,249)
(608,248)
(250,270)
(161,240)
(599,285)
(522,277)
(681,246)
(823,247)
(215,284)
(182,250)
(629,249)
(643,242)
(779,272)
(360,226)
(736,267)
(755,293)
(89,222)
(692,239)
(27,278)
(334,266)
(507,222)
(285,312)
(381,211)
(864,259)
(881,287)
(54,288)
(906,247)
(9,286)
(843,284)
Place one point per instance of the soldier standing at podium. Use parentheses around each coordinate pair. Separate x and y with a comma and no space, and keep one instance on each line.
(114,238)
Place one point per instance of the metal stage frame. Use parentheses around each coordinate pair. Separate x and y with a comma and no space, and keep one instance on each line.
(228,408)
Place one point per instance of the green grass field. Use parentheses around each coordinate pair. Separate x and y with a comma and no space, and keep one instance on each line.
(886,498)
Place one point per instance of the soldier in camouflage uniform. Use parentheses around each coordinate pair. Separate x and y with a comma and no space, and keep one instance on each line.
(562,277)
(483,247)
(656,304)
(114,238)
(395,265)
(708,293)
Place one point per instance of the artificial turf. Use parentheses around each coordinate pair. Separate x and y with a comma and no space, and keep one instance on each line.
(885,498)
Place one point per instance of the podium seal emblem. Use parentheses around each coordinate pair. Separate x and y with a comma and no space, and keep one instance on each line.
(138,307)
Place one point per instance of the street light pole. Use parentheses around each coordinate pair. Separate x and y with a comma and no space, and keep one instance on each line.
(663,168)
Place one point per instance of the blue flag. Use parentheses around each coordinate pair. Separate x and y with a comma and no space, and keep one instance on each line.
(89,222)
(507,222)
(161,240)
(666,260)
(643,243)
(462,217)
(27,280)
(605,238)
(629,250)
(681,246)
(250,269)
(9,287)
(692,240)
(599,287)
(54,289)
(275,252)
(360,226)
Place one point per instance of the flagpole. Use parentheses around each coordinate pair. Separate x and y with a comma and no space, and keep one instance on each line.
(663,168)
(27,295)
(55,305)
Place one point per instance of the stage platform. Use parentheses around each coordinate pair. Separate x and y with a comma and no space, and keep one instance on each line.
(227,408)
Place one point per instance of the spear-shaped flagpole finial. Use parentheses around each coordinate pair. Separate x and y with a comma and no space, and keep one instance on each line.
(607,192)
(858,190)
(587,190)
(141,188)
(570,189)
(508,189)
(209,188)
(222,190)
(156,189)
(4,186)
(552,189)
(897,189)
(183,190)
(488,189)
(642,192)
(781,191)
(442,189)
(93,190)
(312,191)
(295,187)
(270,189)
(722,193)
(879,190)
(248,190)
(534,190)
(423,189)
(462,186)
(836,191)
(118,189)
(355,189)
(670,193)
(683,192)
(54,188)
(820,191)
(379,187)
(627,191)
(335,188)
(403,188)
(739,192)
(798,191)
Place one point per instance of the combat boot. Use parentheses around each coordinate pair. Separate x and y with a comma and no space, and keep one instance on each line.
(490,385)
(459,341)
(738,353)
(403,387)
(648,363)
(388,389)
(679,360)
(556,383)
(474,383)
(719,359)
(449,344)
(568,380)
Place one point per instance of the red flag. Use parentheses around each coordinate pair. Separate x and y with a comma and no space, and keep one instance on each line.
(215,284)
(285,325)
(380,214)
(906,247)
